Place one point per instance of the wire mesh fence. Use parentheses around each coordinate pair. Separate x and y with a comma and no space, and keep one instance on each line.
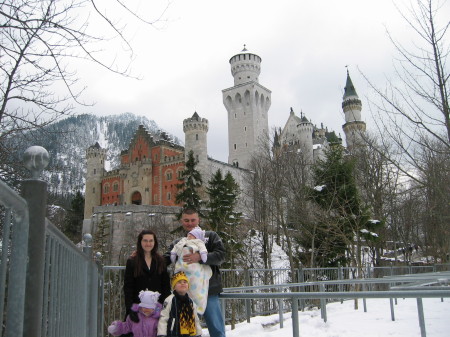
(310,280)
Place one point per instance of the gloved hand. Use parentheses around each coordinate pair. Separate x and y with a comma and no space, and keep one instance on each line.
(112,329)
(134,316)
(204,256)
(173,257)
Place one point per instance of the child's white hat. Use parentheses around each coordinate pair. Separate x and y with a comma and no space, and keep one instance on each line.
(148,299)
(198,233)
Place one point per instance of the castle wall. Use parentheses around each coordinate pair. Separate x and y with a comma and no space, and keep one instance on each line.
(126,221)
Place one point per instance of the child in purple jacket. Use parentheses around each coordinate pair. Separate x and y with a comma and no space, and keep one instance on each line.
(143,318)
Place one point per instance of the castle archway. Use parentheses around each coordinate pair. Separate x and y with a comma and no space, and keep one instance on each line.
(136,198)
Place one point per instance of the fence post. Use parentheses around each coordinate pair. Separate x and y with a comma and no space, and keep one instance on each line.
(247,301)
(100,297)
(323,304)
(280,309)
(364,299)
(423,332)
(391,304)
(340,278)
(34,191)
(88,295)
(295,320)
(300,279)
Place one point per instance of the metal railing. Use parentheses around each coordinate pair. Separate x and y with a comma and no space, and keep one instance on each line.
(72,283)
(48,286)
(295,297)
(14,254)
(261,281)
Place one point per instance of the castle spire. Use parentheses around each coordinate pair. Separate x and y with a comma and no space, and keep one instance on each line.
(349,89)
(354,128)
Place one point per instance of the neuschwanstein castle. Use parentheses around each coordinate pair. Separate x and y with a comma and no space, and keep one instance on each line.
(142,190)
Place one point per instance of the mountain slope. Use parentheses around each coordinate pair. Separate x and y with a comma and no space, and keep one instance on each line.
(67,141)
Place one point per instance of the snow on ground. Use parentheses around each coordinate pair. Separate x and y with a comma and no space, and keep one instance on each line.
(343,320)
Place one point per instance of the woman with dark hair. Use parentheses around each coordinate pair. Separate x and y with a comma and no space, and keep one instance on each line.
(145,270)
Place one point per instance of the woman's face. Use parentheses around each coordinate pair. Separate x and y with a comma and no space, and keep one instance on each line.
(148,242)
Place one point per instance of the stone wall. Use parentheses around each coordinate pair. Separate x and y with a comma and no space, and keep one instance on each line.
(124,224)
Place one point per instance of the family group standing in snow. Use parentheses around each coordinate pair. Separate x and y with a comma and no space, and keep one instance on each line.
(159,306)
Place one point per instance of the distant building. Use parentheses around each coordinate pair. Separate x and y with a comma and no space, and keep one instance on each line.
(145,183)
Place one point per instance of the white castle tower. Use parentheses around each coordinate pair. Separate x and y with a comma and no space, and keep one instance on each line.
(305,132)
(247,103)
(195,139)
(95,157)
(298,133)
(354,127)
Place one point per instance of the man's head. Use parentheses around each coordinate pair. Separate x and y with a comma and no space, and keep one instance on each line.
(189,219)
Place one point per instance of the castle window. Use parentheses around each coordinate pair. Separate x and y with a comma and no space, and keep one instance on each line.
(93,189)
(169,196)
(136,198)
(180,173)
(235,115)
(196,137)
(235,146)
(116,187)
(106,188)
(169,175)
(95,171)
(245,128)
(196,157)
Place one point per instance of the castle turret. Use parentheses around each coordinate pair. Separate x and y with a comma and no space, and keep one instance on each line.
(305,133)
(95,157)
(195,139)
(247,103)
(354,127)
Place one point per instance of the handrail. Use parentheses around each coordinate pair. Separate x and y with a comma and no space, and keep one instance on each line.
(385,280)
(295,296)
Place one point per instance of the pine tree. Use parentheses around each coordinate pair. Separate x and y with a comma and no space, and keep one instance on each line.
(73,221)
(222,215)
(101,240)
(188,196)
(343,216)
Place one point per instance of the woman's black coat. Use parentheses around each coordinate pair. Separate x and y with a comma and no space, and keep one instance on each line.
(150,279)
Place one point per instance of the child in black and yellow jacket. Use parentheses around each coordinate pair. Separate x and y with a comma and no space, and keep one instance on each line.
(179,314)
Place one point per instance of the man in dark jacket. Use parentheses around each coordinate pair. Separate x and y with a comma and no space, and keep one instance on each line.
(216,255)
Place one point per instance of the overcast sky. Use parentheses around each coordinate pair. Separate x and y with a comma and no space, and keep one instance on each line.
(305,47)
